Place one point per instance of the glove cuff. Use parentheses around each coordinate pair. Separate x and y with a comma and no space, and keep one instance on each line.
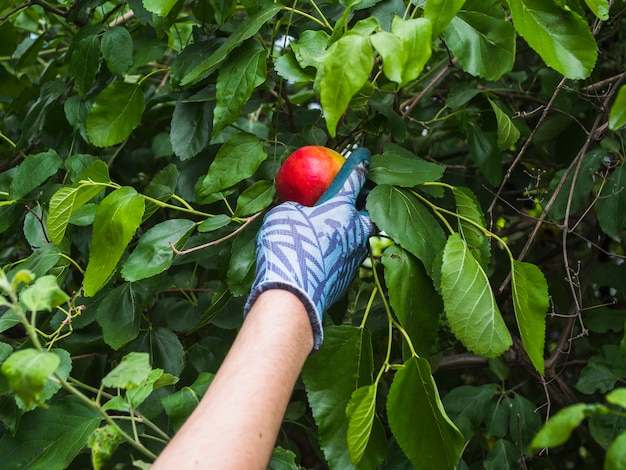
(310,307)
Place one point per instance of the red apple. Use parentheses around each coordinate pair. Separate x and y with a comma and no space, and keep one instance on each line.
(306,174)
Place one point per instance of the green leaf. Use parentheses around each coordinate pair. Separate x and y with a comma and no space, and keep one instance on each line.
(27,371)
(405,50)
(243,71)
(558,34)
(531,302)
(164,348)
(190,130)
(117,50)
(288,68)
(467,406)
(503,455)
(616,454)
(118,315)
(413,398)
(559,427)
(508,134)
(69,198)
(483,148)
(469,302)
(600,8)
(236,160)
(214,223)
(241,271)
(481,30)
(468,207)
(617,397)
(153,253)
(342,364)
(617,115)
(33,172)
(115,114)
(440,12)
(524,421)
(180,404)
(360,412)
(50,437)
(405,219)
(246,29)
(611,205)
(162,187)
(130,373)
(390,168)
(347,65)
(118,217)
(103,442)
(256,198)
(283,459)
(85,61)
(596,377)
(159,7)
(44,294)
(413,298)
(310,48)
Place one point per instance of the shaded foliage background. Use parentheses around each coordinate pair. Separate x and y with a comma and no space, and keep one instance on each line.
(127,126)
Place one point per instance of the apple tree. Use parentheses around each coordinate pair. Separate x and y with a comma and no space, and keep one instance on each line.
(139,143)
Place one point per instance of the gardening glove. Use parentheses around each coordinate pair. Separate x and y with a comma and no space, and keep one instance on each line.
(315,252)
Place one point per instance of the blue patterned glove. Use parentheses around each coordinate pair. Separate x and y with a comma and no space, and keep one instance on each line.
(315,252)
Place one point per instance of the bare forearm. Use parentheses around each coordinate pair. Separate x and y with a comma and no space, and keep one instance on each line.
(236,423)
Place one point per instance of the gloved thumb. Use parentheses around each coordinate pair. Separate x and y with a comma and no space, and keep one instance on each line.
(350,179)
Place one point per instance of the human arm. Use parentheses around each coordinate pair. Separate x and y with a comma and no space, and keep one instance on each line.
(235,424)
(306,259)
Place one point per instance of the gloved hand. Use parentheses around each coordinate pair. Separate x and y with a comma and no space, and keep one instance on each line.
(315,252)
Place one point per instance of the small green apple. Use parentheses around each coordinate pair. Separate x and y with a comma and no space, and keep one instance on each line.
(306,174)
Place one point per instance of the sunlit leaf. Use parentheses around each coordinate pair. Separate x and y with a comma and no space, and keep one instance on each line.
(531,303)
(472,218)
(69,198)
(27,371)
(469,303)
(405,50)
(559,427)
(118,216)
(347,65)
(508,134)
(617,115)
(360,413)
(558,34)
(440,13)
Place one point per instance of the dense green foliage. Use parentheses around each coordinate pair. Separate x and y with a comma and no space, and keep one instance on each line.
(139,142)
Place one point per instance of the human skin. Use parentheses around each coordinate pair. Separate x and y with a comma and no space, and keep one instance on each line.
(236,422)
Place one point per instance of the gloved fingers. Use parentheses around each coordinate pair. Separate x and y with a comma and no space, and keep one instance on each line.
(350,179)
(366,223)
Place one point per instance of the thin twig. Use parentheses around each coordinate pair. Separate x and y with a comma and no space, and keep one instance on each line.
(218,241)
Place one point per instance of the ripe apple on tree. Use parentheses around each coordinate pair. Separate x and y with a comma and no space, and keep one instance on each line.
(306,173)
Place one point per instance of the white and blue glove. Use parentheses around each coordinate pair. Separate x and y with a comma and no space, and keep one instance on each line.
(315,252)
